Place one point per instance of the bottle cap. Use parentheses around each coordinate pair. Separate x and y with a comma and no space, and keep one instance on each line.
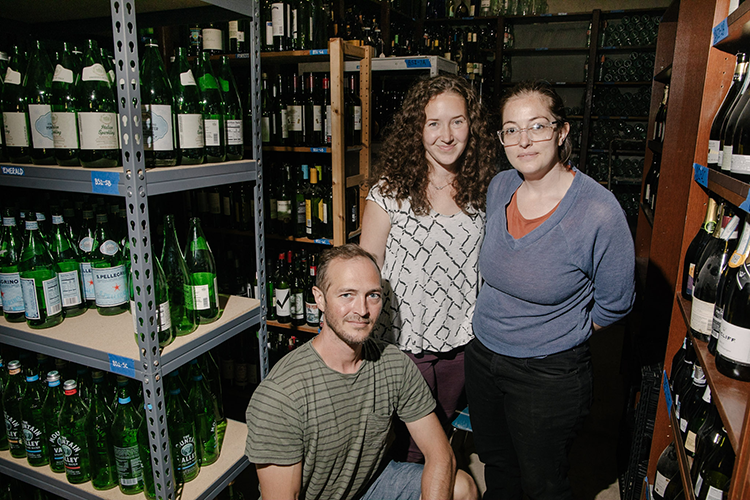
(70,385)
(53,376)
(14,365)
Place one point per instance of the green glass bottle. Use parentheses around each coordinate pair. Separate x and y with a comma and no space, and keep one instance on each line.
(184,319)
(190,142)
(181,433)
(128,433)
(15,112)
(213,109)
(75,425)
(201,404)
(65,254)
(108,271)
(201,269)
(53,403)
(97,113)
(156,109)
(233,109)
(166,329)
(34,424)
(64,118)
(10,279)
(41,289)
(38,92)
(3,383)
(12,397)
(86,245)
(103,466)
(212,376)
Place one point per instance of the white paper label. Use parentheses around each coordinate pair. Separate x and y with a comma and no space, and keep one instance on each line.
(70,288)
(51,291)
(283,299)
(294,118)
(10,285)
(64,130)
(734,342)
(660,484)
(40,119)
(277,18)
(165,317)
(269,33)
(726,161)
(234,132)
(88,281)
(702,316)
(212,132)
(317,118)
(187,78)
(190,128)
(265,129)
(201,297)
(16,132)
(110,285)
(157,127)
(98,131)
(12,77)
(713,151)
(714,494)
(357,117)
(94,73)
(740,164)
(212,39)
(62,74)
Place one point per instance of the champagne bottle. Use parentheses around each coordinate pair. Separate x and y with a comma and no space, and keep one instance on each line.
(667,469)
(108,271)
(53,403)
(64,118)
(13,395)
(182,433)
(201,269)
(213,109)
(233,108)
(696,419)
(103,465)
(156,110)
(683,377)
(732,353)
(312,314)
(716,473)
(283,292)
(187,112)
(34,429)
(41,289)
(688,397)
(97,113)
(708,438)
(75,422)
(15,111)
(38,92)
(184,319)
(86,245)
(201,404)
(10,279)
(65,254)
(714,139)
(729,126)
(696,247)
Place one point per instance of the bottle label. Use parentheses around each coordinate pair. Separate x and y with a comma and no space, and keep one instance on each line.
(726,160)
(134,317)
(690,443)
(98,131)
(269,33)
(329,124)
(294,24)
(716,323)
(12,77)
(187,78)
(110,285)
(214,203)
(277,19)
(88,281)
(294,118)
(70,288)
(62,74)
(86,244)
(721,158)
(94,73)
(283,299)
(234,132)
(32,438)
(165,317)
(109,247)
(15,430)
(190,128)
(284,124)
(713,151)
(357,117)
(265,129)
(702,316)
(72,453)
(202,297)
(10,285)
(240,374)
(734,342)
(317,118)
(297,306)
(740,164)
(51,291)
(234,29)
(323,212)
(55,446)
(129,466)
(16,131)
(312,315)
(308,217)
(212,39)
(660,484)
(157,127)
(714,493)
(64,130)
(283,209)
(698,483)
(40,118)
(212,132)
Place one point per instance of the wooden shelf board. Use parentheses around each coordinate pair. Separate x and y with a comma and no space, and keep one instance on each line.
(288,326)
(738,24)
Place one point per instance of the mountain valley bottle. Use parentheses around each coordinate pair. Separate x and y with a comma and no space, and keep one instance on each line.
(97,113)
(68,263)
(53,403)
(213,109)
(202,407)
(184,319)
(86,244)
(64,117)
(10,279)
(233,112)
(714,141)
(667,469)
(108,271)
(201,269)
(34,424)
(41,288)
(130,443)
(181,432)
(75,424)
(15,111)
(190,142)
(13,394)
(156,110)
(103,466)
(38,92)
(696,247)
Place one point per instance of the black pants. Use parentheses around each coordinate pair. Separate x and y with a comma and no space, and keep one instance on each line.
(525,413)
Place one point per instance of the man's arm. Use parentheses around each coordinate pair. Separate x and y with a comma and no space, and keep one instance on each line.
(279,482)
(439,462)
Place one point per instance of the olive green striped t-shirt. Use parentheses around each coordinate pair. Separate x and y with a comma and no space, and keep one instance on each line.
(336,424)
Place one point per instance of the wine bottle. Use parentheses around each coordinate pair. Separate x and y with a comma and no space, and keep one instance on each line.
(63,102)
(53,403)
(284,202)
(233,108)
(201,405)
(297,304)
(237,36)
(266,113)
(75,422)
(41,289)
(38,92)
(280,26)
(683,378)
(184,319)
(108,271)
(65,255)
(280,114)
(201,268)
(696,247)
(190,142)
(353,124)
(86,245)
(156,110)
(313,114)
(660,121)
(312,207)
(97,113)
(13,394)
(707,439)
(327,115)
(103,466)
(689,396)
(696,419)
(211,375)
(163,316)
(732,353)
(462,10)
(714,140)
(716,473)
(213,39)
(294,113)
(213,109)
(729,127)
(283,292)
(181,432)
(10,279)
(129,442)
(709,267)
(15,110)
(667,469)
(300,207)
(312,314)
(304,18)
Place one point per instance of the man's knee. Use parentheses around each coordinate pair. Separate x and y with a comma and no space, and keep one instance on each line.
(465,488)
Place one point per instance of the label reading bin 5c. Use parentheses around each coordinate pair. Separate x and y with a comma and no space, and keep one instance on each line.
(122,365)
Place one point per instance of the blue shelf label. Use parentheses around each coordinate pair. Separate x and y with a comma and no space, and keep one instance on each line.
(122,365)
(667,393)
(243,55)
(721,31)
(319,52)
(542,48)
(701,174)
(418,63)
(322,241)
(318,150)
(105,182)
(745,205)
(546,15)
(647,489)
(616,11)
(13,170)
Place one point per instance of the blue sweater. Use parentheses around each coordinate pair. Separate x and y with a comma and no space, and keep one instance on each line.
(542,292)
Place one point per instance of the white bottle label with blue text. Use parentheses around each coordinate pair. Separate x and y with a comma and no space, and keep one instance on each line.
(51,291)
(88,281)
(110,285)
(157,127)
(40,118)
(10,285)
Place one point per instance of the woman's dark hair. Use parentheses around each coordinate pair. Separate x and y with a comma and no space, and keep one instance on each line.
(403,167)
(556,108)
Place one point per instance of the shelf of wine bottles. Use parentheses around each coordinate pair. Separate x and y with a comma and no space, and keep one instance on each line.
(207,485)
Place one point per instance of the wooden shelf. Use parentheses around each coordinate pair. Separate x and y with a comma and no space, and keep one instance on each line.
(665,75)
(288,326)
(736,24)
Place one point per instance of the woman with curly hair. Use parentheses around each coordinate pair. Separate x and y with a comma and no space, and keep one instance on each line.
(424,222)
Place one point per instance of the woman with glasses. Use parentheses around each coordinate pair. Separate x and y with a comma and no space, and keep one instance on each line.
(558,264)
(424,222)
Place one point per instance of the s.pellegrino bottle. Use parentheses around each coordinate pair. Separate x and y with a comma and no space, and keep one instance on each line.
(86,245)
(201,269)
(201,405)
(130,443)
(702,237)
(108,270)
(181,427)
(156,110)
(213,109)
(103,466)
(714,138)
(65,254)
(733,345)
(41,289)
(10,279)
(709,267)
(38,90)
(15,112)
(34,423)
(233,112)
(716,473)
(190,142)
(75,424)
(184,319)
(667,469)
(12,397)
(64,117)
(53,403)
(97,113)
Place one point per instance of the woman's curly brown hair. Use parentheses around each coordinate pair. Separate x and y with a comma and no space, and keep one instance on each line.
(403,167)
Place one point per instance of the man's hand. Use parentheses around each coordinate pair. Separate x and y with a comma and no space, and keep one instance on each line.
(279,482)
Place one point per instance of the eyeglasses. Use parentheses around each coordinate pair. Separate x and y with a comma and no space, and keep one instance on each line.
(537,132)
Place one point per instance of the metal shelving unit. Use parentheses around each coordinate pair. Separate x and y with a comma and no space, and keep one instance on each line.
(107,343)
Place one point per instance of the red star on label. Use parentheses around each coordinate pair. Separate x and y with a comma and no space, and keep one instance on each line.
(91,282)
(117,287)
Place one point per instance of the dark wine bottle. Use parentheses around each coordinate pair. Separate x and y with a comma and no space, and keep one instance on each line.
(729,126)
(716,473)
(714,139)
(695,421)
(667,469)
(733,345)
(689,396)
(696,247)
(708,438)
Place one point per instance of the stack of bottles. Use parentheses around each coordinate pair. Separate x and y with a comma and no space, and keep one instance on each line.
(603,132)
(638,67)
(437,9)
(611,101)
(630,31)
(281,30)
(290,285)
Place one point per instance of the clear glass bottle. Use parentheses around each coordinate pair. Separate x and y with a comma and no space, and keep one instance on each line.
(213,109)
(65,254)
(64,116)
(108,271)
